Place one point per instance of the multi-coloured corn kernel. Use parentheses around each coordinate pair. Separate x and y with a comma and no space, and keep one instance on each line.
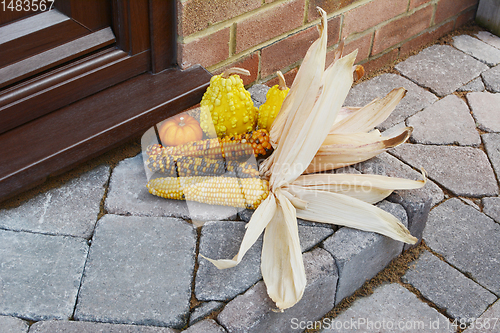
(159,162)
(200,166)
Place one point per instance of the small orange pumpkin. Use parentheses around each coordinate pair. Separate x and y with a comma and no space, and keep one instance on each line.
(180,129)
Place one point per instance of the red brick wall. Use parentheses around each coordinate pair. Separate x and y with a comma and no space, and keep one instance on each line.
(264,36)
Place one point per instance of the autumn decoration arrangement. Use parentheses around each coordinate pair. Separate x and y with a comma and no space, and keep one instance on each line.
(299,134)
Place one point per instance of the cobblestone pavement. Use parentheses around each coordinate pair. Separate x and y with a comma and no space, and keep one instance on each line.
(136,268)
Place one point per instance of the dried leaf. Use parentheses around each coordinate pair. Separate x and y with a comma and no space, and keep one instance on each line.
(282,265)
(307,134)
(339,209)
(370,115)
(339,150)
(368,188)
(306,83)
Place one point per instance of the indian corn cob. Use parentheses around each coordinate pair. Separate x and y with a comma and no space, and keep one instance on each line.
(199,166)
(223,191)
(256,142)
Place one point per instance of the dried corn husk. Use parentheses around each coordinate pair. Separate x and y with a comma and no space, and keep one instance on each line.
(312,125)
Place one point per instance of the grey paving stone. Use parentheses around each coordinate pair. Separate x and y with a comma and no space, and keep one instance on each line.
(465,171)
(489,321)
(310,236)
(205,326)
(415,100)
(441,68)
(474,85)
(139,271)
(492,146)
(13,325)
(489,38)
(360,255)
(245,215)
(221,240)
(491,79)
(128,195)
(492,208)
(40,274)
(67,210)
(445,122)
(446,287)
(204,310)
(417,202)
(258,92)
(454,226)
(391,308)
(387,165)
(63,326)
(253,311)
(478,49)
(485,109)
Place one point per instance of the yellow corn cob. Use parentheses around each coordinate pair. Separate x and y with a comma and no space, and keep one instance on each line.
(274,99)
(167,187)
(223,191)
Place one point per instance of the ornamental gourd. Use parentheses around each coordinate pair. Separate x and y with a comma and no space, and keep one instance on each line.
(274,99)
(227,106)
(179,130)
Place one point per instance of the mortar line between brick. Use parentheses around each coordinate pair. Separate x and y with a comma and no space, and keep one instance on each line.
(259,66)
(232,40)
(306,12)
(370,49)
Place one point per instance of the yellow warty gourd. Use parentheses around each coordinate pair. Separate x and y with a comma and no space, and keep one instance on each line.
(274,99)
(227,106)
